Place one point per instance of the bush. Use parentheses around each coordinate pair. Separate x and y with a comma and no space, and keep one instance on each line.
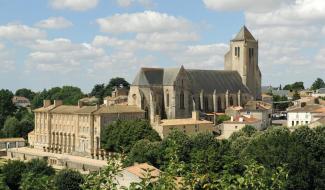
(68,179)
(12,173)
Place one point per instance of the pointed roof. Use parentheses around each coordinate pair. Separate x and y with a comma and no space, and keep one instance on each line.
(244,34)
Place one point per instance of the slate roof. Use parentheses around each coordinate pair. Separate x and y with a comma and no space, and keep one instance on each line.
(156,76)
(207,80)
(221,81)
(244,34)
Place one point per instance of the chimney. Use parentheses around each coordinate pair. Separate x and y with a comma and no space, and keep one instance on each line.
(195,115)
(80,104)
(46,103)
(57,103)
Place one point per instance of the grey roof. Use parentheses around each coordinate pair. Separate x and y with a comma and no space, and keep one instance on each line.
(321,90)
(221,81)
(156,76)
(244,34)
(149,76)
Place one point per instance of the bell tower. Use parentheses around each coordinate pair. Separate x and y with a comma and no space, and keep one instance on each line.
(243,58)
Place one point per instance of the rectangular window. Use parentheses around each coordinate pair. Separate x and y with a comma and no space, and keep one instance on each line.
(293,123)
(297,122)
(238,51)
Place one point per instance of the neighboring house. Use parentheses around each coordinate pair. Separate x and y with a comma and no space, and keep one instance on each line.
(174,93)
(308,100)
(317,123)
(304,115)
(20,101)
(119,97)
(135,174)
(6,143)
(76,129)
(237,123)
(319,93)
(89,100)
(255,109)
(267,98)
(189,126)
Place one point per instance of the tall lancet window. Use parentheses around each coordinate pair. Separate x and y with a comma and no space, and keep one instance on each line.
(181,100)
(231,101)
(167,99)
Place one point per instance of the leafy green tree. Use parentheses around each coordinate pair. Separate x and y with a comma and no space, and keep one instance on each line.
(120,136)
(319,83)
(144,151)
(295,86)
(280,106)
(118,81)
(40,167)
(222,118)
(11,127)
(12,173)
(32,181)
(27,93)
(68,179)
(7,108)
(98,91)
(106,178)
(37,101)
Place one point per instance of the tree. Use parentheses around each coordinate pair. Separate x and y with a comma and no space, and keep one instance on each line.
(296,96)
(7,108)
(11,127)
(222,118)
(32,181)
(98,91)
(144,151)
(40,167)
(12,173)
(295,86)
(68,179)
(27,93)
(120,136)
(118,81)
(319,83)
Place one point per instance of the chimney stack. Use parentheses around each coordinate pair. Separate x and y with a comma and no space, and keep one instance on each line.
(80,104)
(57,103)
(46,103)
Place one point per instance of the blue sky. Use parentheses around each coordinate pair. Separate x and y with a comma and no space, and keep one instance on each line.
(47,43)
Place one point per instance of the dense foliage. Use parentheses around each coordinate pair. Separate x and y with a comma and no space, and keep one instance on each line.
(68,179)
(102,90)
(295,86)
(120,136)
(319,83)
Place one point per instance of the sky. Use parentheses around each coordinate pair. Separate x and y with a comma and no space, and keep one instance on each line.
(48,43)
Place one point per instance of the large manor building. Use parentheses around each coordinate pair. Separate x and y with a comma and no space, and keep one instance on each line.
(76,129)
(175,92)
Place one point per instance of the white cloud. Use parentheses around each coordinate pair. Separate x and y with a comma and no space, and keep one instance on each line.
(19,32)
(143,22)
(76,5)
(54,23)
(128,3)
(61,55)
(242,5)
(6,60)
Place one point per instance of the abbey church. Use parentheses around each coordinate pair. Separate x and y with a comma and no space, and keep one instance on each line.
(175,92)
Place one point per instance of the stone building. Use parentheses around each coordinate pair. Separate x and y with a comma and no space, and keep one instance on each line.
(174,93)
(188,126)
(75,129)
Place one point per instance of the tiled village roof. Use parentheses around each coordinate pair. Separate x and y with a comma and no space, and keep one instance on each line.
(315,108)
(118,109)
(186,121)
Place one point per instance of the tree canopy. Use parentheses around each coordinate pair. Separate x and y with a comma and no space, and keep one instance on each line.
(319,83)
(7,108)
(27,93)
(295,86)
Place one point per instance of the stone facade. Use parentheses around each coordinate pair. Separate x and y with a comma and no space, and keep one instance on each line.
(243,58)
(75,129)
(188,126)
(174,93)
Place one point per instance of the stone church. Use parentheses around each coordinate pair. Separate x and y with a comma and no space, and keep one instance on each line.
(175,92)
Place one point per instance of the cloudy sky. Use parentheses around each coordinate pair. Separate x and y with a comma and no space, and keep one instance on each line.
(47,43)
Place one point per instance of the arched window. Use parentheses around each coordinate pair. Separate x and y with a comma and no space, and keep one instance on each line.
(219,104)
(231,101)
(206,104)
(167,99)
(181,100)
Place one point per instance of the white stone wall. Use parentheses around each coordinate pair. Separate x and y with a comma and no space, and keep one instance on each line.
(299,118)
